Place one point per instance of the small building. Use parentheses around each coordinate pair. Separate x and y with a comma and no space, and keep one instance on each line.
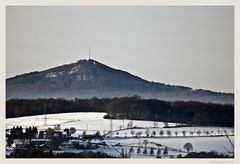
(21,143)
(40,141)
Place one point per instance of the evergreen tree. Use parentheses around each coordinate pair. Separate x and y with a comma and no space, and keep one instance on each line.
(145,151)
(131,150)
(84,133)
(51,154)
(139,150)
(152,151)
(165,152)
(159,151)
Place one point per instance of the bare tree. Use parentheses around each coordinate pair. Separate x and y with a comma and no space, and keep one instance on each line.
(159,151)
(123,153)
(176,133)
(199,132)
(154,133)
(184,132)
(132,132)
(145,142)
(161,133)
(165,124)
(188,146)
(147,132)
(138,134)
(211,132)
(225,132)
(191,133)
(130,124)
(169,133)
(207,132)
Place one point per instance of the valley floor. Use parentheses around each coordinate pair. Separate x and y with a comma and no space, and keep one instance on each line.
(143,139)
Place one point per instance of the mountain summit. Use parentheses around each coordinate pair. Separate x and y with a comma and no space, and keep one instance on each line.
(89,78)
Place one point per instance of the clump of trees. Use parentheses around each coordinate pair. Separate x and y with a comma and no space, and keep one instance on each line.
(18,133)
(89,137)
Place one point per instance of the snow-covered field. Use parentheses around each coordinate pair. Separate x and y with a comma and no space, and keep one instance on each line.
(88,121)
(218,144)
(92,122)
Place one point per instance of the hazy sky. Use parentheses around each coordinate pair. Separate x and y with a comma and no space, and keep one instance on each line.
(189,46)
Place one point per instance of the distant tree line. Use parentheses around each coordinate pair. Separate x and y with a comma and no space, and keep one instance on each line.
(198,113)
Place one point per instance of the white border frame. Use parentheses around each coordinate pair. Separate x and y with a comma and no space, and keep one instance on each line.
(235,3)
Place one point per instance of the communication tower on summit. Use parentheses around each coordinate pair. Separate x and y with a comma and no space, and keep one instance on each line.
(89,54)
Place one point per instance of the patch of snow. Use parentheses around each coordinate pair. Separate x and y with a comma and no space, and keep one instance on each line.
(51,75)
(74,69)
(85,77)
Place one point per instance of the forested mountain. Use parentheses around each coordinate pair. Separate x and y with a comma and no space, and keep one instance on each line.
(89,78)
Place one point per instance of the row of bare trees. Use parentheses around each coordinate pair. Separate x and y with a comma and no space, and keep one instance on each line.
(176,133)
(164,151)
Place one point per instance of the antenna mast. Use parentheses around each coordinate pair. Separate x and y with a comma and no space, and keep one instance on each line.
(89,53)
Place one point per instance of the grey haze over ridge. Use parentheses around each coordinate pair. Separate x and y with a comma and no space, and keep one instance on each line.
(189,46)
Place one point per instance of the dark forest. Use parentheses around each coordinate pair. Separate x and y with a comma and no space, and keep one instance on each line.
(195,113)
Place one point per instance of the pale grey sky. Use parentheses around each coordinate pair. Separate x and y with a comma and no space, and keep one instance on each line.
(189,46)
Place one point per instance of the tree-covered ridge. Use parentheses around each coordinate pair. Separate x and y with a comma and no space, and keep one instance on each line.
(207,114)
(87,78)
